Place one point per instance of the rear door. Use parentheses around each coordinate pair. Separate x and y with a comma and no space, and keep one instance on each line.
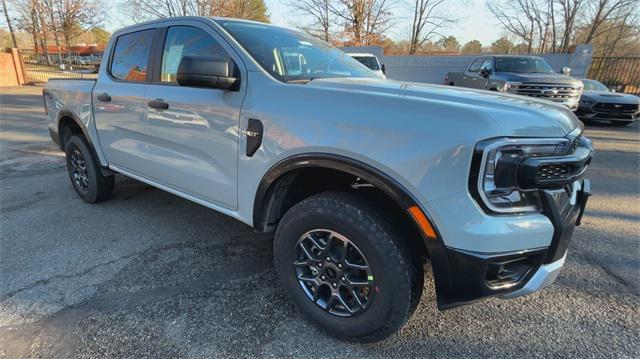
(118,99)
(194,139)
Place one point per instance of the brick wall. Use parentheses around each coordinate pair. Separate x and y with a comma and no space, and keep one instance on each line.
(11,68)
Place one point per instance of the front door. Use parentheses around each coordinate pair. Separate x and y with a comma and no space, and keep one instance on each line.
(118,99)
(194,134)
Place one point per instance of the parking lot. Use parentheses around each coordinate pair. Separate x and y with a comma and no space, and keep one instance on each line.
(148,274)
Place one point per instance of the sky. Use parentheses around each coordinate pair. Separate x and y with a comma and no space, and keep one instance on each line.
(475,20)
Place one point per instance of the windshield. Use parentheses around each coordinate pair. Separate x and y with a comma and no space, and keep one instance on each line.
(368,61)
(522,65)
(291,56)
(592,85)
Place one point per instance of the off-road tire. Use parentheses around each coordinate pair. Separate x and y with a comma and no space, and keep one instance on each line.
(96,187)
(398,274)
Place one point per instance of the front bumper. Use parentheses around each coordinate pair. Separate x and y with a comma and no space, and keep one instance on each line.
(463,276)
(513,263)
(587,112)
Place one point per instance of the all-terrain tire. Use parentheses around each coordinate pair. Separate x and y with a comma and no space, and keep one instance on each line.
(397,275)
(85,173)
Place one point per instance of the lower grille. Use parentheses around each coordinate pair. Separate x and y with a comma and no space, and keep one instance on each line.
(554,172)
(615,108)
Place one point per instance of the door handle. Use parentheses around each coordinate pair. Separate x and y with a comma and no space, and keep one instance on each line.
(159,104)
(104,97)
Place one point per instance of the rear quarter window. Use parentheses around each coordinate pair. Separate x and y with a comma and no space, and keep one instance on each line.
(131,56)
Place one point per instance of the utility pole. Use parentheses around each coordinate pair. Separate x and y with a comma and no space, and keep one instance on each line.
(6,14)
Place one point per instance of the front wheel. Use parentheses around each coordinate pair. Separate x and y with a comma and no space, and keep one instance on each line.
(346,268)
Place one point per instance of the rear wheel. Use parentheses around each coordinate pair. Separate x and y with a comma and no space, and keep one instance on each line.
(346,268)
(84,172)
(620,123)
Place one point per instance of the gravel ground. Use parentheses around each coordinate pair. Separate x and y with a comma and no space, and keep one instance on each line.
(150,275)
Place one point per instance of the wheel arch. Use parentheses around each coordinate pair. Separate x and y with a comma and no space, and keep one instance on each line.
(283,170)
(68,119)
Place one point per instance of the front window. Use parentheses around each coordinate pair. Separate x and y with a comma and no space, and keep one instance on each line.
(184,41)
(368,61)
(292,56)
(522,65)
(591,85)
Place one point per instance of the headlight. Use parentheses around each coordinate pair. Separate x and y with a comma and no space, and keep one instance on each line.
(497,175)
(509,86)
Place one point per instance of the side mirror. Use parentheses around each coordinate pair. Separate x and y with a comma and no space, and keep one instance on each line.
(484,73)
(613,90)
(200,71)
(384,69)
(566,71)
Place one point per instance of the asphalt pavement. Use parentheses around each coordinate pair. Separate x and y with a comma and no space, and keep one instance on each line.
(150,275)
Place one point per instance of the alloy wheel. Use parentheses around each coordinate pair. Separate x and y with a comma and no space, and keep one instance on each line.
(334,273)
(79,170)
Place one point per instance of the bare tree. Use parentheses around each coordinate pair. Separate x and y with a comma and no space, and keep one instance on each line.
(569,10)
(364,21)
(321,13)
(140,10)
(427,22)
(8,17)
(600,11)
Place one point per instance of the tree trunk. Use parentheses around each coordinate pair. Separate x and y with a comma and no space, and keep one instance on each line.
(6,14)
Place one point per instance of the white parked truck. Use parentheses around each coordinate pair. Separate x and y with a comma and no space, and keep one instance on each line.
(363,180)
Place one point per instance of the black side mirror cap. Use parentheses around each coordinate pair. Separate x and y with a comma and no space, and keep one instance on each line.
(201,71)
(384,69)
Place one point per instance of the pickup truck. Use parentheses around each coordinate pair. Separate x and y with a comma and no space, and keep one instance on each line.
(521,75)
(362,180)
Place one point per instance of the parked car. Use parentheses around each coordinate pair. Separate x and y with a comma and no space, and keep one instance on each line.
(599,103)
(360,178)
(522,75)
(371,62)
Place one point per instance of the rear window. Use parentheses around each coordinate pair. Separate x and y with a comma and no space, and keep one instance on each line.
(131,55)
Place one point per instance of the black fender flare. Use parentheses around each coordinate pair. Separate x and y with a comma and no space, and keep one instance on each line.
(68,114)
(357,168)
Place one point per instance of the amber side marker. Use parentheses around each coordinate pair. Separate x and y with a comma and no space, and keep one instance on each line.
(422,222)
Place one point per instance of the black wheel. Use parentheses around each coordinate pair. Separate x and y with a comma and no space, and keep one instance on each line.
(620,123)
(84,171)
(346,268)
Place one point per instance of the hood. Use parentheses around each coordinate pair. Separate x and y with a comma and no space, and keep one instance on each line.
(514,115)
(609,97)
(552,78)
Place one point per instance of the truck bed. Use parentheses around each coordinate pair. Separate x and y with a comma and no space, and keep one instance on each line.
(69,95)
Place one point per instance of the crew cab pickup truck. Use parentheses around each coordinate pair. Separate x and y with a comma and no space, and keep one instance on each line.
(363,180)
(521,75)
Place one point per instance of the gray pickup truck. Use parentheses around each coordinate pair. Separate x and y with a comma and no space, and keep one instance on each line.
(521,75)
(363,180)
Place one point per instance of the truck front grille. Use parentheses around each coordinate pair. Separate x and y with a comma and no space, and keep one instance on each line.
(558,93)
(615,108)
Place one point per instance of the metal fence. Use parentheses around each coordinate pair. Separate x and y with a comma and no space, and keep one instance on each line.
(619,73)
(40,67)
